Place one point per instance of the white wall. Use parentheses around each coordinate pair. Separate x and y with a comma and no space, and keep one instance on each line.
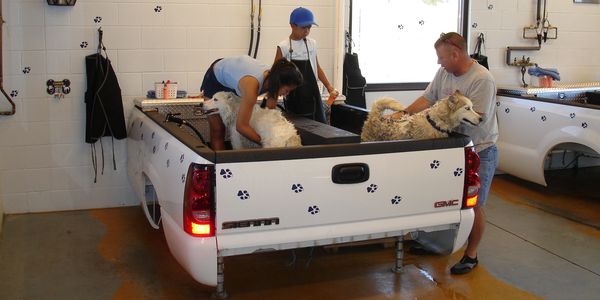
(46,166)
(574,53)
(44,163)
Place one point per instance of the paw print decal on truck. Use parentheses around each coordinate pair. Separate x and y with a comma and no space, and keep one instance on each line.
(244,195)
(226,173)
(297,188)
(372,188)
(458,172)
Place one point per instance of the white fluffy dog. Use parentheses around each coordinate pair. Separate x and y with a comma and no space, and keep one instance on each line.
(274,129)
(435,122)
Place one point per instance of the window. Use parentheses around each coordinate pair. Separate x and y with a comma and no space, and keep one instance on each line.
(394,39)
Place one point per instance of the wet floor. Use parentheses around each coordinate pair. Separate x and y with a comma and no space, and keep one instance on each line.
(529,251)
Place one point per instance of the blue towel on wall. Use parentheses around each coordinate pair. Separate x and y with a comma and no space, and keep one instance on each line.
(537,71)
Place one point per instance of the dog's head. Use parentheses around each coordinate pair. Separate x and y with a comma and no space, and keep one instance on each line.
(228,105)
(462,109)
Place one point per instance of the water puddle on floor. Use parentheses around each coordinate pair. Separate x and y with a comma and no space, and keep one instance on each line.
(148,270)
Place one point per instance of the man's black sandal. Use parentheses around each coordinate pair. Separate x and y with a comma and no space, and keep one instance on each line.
(464,266)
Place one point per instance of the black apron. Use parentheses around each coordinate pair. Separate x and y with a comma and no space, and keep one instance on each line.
(305,100)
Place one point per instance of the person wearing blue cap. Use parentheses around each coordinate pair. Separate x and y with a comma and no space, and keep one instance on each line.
(302,51)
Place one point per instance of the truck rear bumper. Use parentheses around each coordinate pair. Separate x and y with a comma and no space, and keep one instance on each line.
(198,256)
(453,228)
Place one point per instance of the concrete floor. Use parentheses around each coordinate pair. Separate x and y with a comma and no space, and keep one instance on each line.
(539,243)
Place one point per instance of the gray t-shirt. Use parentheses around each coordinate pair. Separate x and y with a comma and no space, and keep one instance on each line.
(479,85)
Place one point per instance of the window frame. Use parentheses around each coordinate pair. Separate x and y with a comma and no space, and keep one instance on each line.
(411,86)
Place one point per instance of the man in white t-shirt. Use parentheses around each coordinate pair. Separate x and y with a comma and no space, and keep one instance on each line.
(459,72)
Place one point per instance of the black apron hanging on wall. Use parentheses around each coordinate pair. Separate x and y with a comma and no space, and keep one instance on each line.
(354,83)
(103,104)
(305,100)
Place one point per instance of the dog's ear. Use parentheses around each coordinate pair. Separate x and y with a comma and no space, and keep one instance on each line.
(452,100)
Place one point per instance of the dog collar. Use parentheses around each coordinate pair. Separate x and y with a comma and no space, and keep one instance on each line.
(435,125)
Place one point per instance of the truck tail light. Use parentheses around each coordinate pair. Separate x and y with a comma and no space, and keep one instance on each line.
(471,189)
(199,201)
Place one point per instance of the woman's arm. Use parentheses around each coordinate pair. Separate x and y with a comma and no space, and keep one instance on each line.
(249,87)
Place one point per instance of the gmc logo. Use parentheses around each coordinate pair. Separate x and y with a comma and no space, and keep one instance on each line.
(445,203)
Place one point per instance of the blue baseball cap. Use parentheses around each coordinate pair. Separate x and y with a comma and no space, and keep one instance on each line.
(302,17)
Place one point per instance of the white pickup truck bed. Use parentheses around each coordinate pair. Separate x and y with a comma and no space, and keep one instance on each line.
(274,199)
(534,123)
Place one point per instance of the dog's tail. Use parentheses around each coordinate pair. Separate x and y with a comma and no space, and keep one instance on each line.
(382,104)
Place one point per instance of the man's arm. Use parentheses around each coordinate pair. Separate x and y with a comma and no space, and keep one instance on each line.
(418,105)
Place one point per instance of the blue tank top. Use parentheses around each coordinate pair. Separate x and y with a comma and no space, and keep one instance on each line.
(230,70)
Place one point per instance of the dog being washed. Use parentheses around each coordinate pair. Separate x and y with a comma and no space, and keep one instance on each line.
(274,129)
(436,122)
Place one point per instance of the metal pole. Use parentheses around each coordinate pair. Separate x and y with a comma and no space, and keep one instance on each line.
(399,254)
(220,292)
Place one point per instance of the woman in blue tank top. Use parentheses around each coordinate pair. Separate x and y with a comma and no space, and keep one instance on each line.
(248,78)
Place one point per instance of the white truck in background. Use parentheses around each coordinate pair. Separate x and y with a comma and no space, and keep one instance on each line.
(548,128)
(334,189)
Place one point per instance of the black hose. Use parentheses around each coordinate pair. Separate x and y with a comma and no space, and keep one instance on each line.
(171,118)
(186,123)
(258,28)
(251,28)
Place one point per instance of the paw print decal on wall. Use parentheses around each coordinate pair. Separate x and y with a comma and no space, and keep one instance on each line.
(313,210)
(498,103)
(491,6)
(396,200)
(14,93)
(244,195)
(434,164)
(26,70)
(153,149)
(166,146)
(458,172)
(507,110)
(474,25)
(226,173)
(371,188)
(153,134)
(181,158)
(584,125)
(421,22)
(572,115)
(297,188)
(400,26)
(158,9)
(83,44)
(182,178)
(168,163)
(532,109)
(544,118)
(97,19)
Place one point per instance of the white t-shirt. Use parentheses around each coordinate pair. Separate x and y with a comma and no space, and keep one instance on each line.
(477,84)
(299,51)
